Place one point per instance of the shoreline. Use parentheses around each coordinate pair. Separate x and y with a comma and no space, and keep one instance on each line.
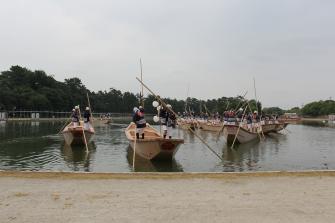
(54,197)
(162,175)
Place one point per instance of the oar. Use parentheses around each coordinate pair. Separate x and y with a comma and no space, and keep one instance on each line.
(89,105)
(207,110)
(83,132)
(135,140)
(163,103)
(66,123)
(237,107)
(239,127)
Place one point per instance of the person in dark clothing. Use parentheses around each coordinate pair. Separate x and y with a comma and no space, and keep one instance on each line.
(75,116)
(87,118)
(140,122)
(171,122)
(163,117)
(239,114)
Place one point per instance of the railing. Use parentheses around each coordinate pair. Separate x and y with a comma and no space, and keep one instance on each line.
(25,114)
(31,114)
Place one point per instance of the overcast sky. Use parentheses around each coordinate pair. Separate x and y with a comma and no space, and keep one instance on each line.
(214,46)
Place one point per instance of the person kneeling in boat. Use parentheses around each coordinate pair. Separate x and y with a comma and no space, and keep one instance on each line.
(87,118)
(75,116)
(140,122)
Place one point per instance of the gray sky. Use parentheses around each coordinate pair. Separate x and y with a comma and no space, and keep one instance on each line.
(215,46)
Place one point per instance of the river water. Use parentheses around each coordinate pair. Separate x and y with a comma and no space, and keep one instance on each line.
(36,146)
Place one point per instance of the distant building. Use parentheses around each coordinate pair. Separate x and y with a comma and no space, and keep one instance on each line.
(291,115)
(3,116)
(290,118)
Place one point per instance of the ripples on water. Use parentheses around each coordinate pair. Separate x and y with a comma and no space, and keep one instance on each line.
(37,146)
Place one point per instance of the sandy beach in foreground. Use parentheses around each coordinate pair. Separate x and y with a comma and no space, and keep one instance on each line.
(221,197)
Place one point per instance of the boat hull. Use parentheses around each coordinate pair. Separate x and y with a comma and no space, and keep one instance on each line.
(153,146)
(273,127)
(242,135)
(211,127)
(156,150)
(74,136)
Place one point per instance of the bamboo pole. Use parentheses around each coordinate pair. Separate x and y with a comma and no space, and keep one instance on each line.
(237,107)
(83,132)
(207,110)
(259,135)
(191,130)
(239,127)
(66,123)
(135,141)
(142,89)
(255,95)
(89,105)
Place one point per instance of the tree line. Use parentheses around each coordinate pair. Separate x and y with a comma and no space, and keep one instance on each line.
(23,89)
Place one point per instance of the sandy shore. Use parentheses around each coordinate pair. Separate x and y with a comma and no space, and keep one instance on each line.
(255,197)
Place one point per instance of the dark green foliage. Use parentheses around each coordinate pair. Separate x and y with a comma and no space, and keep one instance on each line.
(319,108)
(273,111)
(296,110)
(22,89)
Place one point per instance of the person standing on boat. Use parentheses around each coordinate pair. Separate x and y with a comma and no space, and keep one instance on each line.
(87,118)
(171,121)
(239,115)
(255,120)
(163,117)
(249,122)
(140,122)
(75,116)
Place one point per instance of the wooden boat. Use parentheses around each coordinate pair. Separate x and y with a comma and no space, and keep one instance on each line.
(243,134)
(183,124)
(153,146)
(74,135)
(273,126)
(100,122)
(213,127)
(280,126)
(267,128)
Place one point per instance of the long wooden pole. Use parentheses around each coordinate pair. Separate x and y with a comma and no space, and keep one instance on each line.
(89,105)
(207,110)
(135,141)
(239,127)
(142,89)
(66,123)
(191,130)
(187,95)
(256,95)
(83,132)
(237,107)
(259,135)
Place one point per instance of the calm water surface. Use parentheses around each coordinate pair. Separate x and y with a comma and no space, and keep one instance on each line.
(37,146)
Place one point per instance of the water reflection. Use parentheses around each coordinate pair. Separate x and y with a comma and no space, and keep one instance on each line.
(37,146)
(143,165)
(76,157)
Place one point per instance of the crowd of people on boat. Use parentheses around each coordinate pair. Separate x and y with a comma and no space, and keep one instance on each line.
(249,120)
